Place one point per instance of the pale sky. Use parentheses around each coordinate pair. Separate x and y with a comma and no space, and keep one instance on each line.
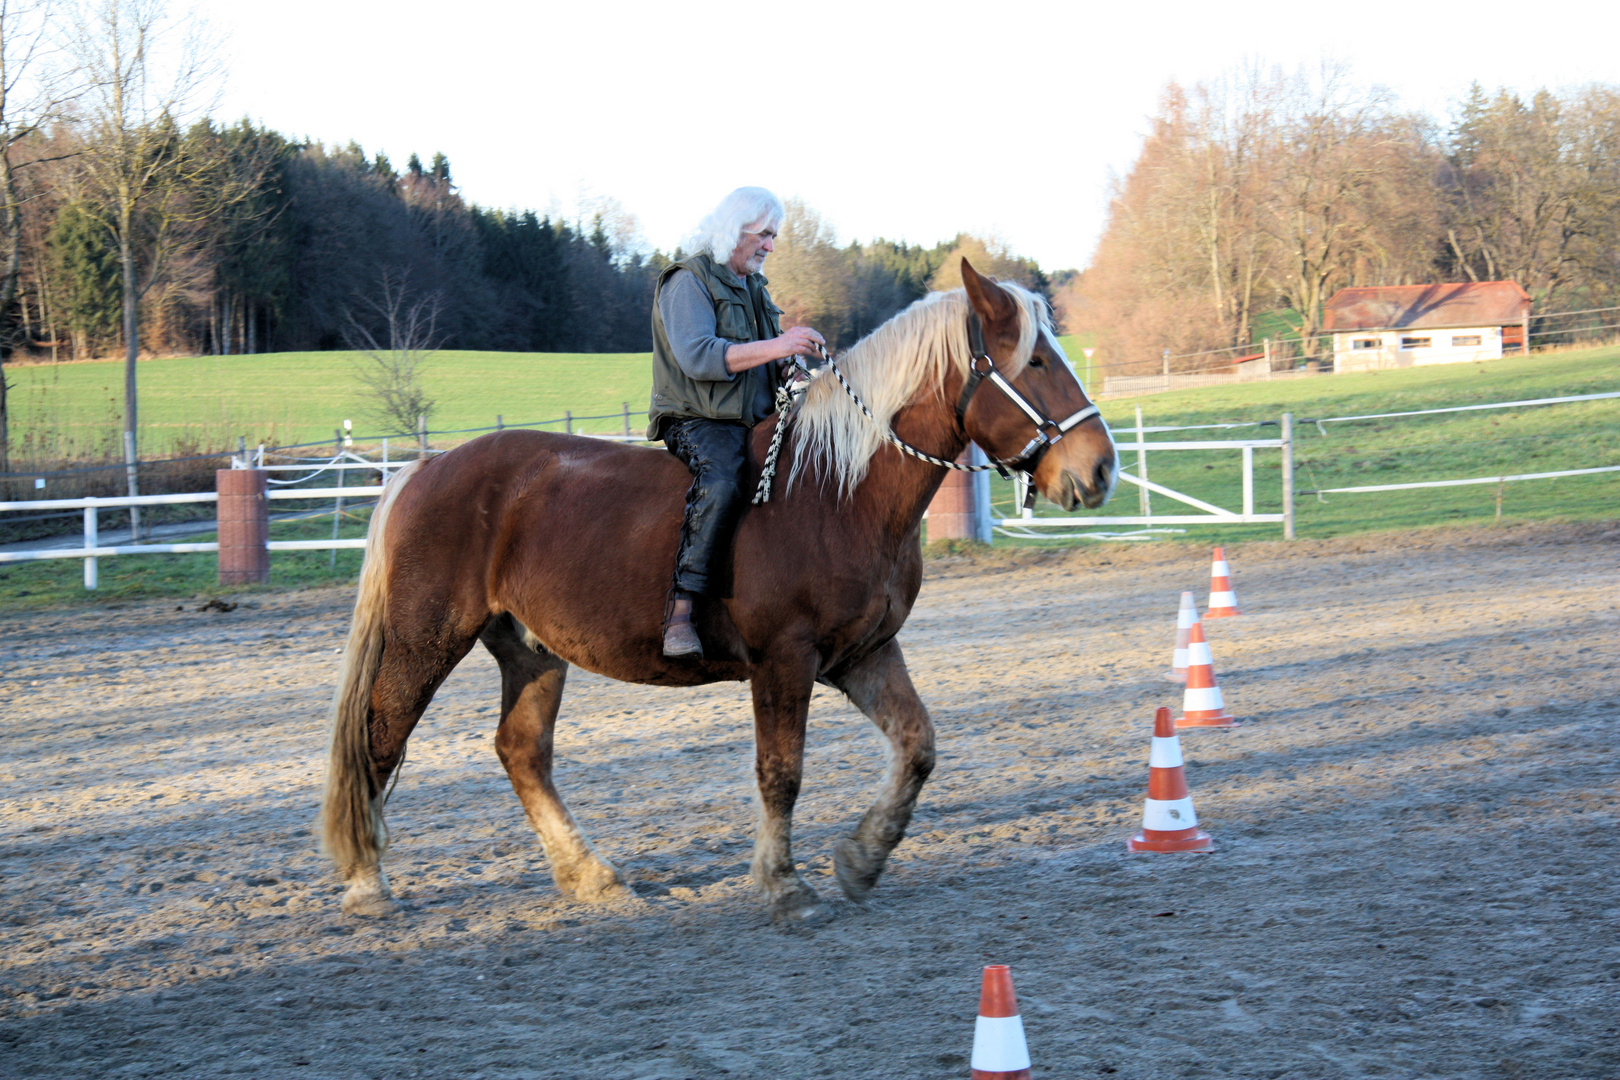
(907,120)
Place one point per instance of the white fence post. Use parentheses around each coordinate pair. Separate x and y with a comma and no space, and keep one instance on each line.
(984,531)
(1144,501)
(1248,481)
(339,475)
(90,578)
(1288,475)
(134,489)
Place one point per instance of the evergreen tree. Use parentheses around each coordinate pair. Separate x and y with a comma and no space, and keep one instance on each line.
(85,278)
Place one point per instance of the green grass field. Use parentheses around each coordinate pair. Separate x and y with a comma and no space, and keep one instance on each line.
(203,403)
(206,402)
(294,395)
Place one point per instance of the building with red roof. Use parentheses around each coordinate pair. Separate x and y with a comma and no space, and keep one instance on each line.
(1397,326)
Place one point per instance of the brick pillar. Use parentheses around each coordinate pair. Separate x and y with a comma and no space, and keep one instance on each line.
(244,526)
(958,506)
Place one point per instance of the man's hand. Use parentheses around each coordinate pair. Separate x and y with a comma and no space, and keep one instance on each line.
(799,341)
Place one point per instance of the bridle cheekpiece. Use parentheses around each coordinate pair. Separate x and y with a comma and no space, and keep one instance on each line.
(1048,432)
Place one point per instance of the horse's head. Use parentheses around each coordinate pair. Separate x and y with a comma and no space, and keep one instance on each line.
(1080,466)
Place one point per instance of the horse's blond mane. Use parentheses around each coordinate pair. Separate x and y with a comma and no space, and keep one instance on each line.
(909,355)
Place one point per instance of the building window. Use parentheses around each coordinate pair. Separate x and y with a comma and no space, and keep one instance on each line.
(1415,342)
(1366,343)
(1464,339)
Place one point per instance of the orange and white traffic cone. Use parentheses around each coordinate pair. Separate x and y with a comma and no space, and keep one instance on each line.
(1222,600)
(999,1050)
(1184,624)
(1168,820)
(1202,704)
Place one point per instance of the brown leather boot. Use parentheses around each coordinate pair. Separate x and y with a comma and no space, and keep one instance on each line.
(680,636)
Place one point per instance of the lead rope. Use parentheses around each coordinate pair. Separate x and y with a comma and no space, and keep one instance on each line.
(787,397)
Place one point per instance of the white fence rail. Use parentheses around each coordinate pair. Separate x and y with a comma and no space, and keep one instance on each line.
(1022,525)
(1463,483)
(93,550)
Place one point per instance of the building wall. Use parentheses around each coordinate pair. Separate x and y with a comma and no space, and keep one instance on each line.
(1399,348)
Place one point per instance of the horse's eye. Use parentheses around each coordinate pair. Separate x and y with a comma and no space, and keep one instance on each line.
(1036,361)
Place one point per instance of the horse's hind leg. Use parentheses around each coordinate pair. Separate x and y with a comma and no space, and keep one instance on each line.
(881,688)
(531,691)
(406,678)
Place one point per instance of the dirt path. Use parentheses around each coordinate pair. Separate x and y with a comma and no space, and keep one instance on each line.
(1415,873)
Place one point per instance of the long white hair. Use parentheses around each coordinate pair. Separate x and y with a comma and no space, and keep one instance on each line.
(718,233)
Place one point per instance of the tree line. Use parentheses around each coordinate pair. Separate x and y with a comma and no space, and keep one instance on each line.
(301,240)
(270,245)
(1267,192)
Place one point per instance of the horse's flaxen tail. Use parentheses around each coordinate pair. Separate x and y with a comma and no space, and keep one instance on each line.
(352,830)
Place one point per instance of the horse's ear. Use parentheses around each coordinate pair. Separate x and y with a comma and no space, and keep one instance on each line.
(988,299)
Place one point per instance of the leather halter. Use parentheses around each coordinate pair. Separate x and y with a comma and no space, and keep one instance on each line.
(1048,432)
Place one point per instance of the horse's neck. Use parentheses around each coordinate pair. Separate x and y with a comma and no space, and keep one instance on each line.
(898,487)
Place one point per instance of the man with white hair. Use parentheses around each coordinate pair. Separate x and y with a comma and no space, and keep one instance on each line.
(715,335)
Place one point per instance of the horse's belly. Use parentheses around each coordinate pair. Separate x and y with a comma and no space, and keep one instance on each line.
(632,654)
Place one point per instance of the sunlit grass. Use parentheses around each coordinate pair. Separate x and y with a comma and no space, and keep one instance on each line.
(286,398)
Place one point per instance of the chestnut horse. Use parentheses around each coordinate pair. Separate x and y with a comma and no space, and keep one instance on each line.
(556,549)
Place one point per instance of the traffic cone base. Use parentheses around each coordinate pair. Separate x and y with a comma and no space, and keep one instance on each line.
(999,1049)
(1223,721)
(1222,600)
(1198,841)
(1169,822)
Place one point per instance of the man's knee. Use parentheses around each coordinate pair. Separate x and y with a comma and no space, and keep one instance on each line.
(721,490)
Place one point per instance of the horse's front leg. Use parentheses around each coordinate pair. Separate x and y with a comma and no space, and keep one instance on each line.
(782,688)
(881,688)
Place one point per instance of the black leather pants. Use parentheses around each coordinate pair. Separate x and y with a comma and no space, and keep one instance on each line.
(717,453)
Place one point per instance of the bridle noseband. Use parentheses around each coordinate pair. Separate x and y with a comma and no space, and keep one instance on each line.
(1048,432)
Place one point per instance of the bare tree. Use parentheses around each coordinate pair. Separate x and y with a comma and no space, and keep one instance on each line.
(145,78)
(988,255)
(1180,247)
(1330,149)
(808,274)
(392,372)
(34,92)
(1230,120)
(1533,191)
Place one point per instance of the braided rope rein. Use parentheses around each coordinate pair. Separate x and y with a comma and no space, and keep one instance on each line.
(786,398)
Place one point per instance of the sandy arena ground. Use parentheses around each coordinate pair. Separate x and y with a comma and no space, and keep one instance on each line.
(1415,873)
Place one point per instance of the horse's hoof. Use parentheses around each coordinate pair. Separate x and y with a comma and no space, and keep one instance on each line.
(613,892)
(371,906)
(856,871)
(802,910)
(598,884)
